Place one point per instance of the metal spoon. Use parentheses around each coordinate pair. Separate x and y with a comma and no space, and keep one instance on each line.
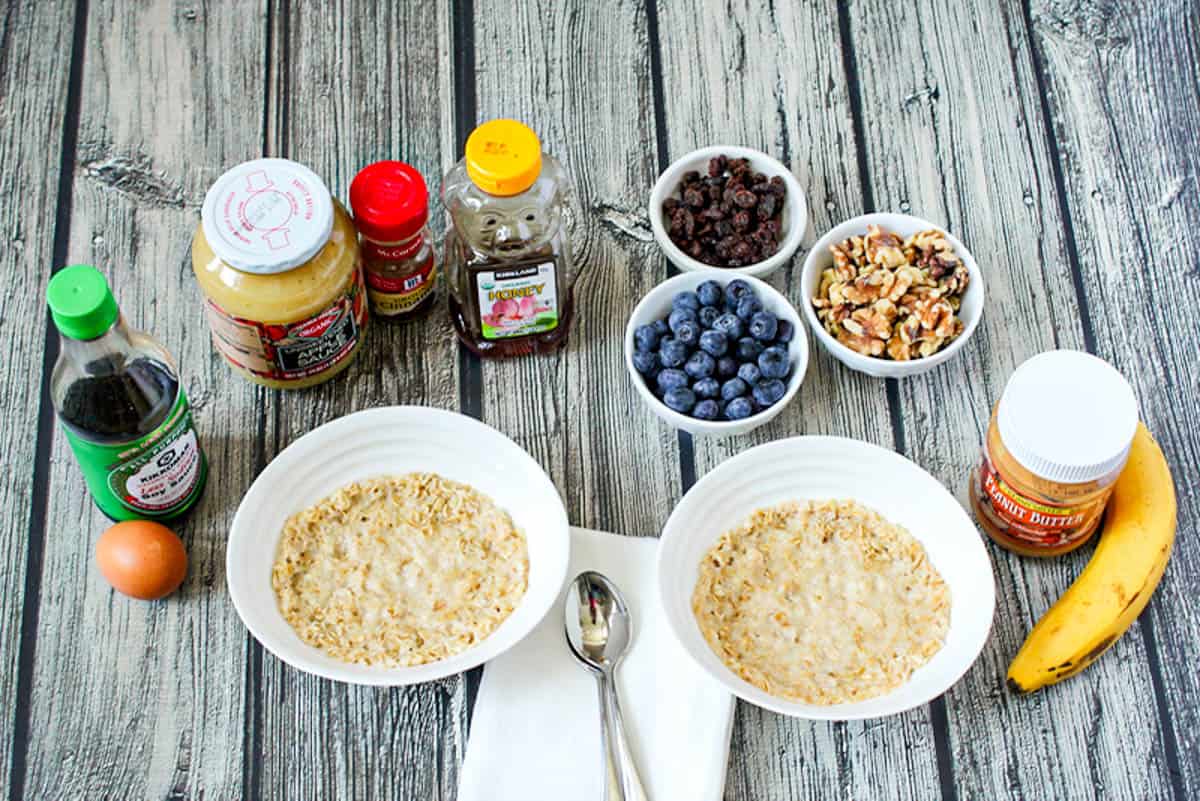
(599,630)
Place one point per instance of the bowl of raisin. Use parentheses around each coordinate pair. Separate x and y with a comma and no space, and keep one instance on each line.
(730,208)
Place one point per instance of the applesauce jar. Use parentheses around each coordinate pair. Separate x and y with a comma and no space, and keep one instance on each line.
(509,272)
(278,262)
(1057,441)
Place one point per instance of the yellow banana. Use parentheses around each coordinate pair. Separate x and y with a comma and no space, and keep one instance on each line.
(1116,585)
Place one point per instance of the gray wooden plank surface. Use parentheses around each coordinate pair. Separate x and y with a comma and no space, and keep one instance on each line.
(1058,139)
(132,699)
(358,83)
(738,78)
(35,40)
(961,149)
(1123,97)
(576,411)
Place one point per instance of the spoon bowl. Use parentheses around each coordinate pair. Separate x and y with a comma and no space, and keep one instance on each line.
(598,623)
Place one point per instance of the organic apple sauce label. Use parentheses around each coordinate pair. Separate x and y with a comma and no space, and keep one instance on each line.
(1025,518)
(518,300)
(292,351)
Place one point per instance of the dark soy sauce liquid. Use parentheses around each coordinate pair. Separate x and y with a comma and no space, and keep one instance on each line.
(119,401)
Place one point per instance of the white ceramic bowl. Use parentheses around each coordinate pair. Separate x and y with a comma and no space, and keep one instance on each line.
(819,468)
(820,258)
(394,440)
(657,305)
(794,219)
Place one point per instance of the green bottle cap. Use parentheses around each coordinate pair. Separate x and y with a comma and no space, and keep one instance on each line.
(80,302)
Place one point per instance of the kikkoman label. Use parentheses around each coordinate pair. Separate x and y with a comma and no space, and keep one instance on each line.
(518,301)
(158,475)
(1025,518)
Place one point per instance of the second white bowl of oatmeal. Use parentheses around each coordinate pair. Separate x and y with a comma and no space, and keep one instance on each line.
(394,440)
(904,225)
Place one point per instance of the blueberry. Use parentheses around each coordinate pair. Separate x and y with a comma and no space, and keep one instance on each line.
(784,331)
(645,337)
(733,388)
(686,300)
(710,293)
(769,392)
(661,327)
(748,306)
(679,316)
(773,362)
(736,289)
(749,373)
(671,378)
(672,352)
(707,388)
(714,343)
(688,332)
(738,409)
(700,365)
(727,367)
(748,349)
(680,399)
(763,326)
(729,325)
(708,315)
(706,410)
(646,362)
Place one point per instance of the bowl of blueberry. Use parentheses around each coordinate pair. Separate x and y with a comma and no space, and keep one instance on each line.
(715,353)
(728,207)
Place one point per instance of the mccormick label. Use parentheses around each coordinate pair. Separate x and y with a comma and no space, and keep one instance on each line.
(518,300)
(292,351)
(392,296)
(1025,518)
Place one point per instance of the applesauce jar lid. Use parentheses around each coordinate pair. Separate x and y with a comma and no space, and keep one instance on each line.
(1068,416)
(267,216)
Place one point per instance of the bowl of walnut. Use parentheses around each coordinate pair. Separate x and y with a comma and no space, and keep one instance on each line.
(891,295)
(728,207)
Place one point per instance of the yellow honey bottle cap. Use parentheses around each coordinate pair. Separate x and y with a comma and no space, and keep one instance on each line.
(504,157)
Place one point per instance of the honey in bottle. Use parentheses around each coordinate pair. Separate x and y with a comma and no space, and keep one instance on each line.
(510,277)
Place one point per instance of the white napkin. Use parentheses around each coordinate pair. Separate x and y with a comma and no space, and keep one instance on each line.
(535,733)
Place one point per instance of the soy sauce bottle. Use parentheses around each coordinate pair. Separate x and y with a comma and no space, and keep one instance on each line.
(117,393)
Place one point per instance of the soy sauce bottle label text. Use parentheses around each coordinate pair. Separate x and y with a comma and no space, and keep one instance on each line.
(158,475)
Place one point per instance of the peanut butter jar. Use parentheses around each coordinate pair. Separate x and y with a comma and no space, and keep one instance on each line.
(1057,441)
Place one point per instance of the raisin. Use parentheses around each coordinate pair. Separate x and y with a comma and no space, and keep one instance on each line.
(745,199)
(741,220)
(766,207)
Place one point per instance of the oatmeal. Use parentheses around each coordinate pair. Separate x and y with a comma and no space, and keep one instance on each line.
(399,571)
(822,602)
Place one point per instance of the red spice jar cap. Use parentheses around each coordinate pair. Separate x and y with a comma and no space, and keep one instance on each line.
(390,201)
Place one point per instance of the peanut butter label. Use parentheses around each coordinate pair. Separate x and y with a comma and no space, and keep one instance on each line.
(1027,519)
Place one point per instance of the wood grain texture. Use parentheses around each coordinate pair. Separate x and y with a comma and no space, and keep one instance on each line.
(35,40)
(357,83)
(954,133)
(738,77)
(133,699)
(1123,96)
(576,411)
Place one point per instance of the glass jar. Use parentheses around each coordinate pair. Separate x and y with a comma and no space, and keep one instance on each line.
(391,208)
(1056,443)
(510,276)
(277,259)
(117,393)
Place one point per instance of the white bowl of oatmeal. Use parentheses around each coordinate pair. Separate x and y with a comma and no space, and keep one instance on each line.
(794,611)
(395,546)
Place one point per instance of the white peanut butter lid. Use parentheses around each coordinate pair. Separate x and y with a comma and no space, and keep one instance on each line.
(1068,416)
(267,216)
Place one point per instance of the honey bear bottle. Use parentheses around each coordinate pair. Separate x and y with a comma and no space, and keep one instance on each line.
(508,260)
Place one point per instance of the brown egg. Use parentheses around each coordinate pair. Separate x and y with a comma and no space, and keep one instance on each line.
(141,559)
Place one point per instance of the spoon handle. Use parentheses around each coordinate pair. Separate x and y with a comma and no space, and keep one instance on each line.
(621,781)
